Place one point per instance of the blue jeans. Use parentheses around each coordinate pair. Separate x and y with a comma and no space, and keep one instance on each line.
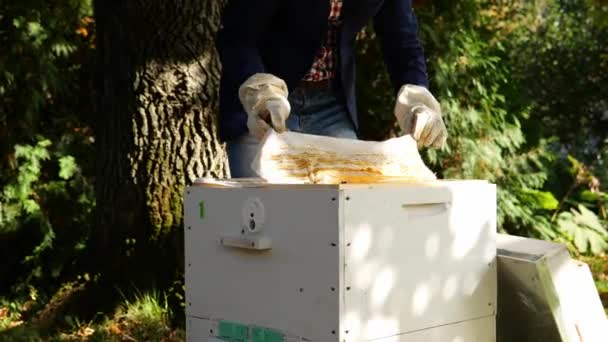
(318,112)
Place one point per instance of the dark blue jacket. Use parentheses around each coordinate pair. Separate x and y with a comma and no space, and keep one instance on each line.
(282,37)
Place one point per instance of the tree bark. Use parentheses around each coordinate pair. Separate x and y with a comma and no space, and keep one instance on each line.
(157,92)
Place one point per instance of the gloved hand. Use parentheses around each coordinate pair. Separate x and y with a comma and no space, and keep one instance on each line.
(264,98)
(418,113)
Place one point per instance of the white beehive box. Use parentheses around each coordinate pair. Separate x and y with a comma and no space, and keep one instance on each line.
(545,295)
(385,262)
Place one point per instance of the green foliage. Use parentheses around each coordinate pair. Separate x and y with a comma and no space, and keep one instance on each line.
(67,167)
(47,169)
(46,186)
(599,269)
(581,227)
(150,312)
(17,197)
(558,52)
(540,199)
(584,229)
(40,71)
(31,207)
(144,318)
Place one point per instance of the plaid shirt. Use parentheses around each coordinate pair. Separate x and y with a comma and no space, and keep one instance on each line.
(323,68)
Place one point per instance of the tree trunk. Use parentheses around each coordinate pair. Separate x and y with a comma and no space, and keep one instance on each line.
(157,92)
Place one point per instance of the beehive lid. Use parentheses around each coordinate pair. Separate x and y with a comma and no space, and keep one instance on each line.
(260,182)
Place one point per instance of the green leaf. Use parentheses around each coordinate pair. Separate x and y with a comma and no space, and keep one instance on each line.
(575,165)
(30,206)
(589,219)
(18,22)
(67,167)
(584,229)
(590,196)
(540,199)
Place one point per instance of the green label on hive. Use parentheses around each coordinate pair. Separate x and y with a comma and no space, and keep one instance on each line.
(266,335)
(233,332)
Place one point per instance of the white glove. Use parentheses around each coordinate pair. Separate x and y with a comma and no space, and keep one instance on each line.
(418,113)
(264,96)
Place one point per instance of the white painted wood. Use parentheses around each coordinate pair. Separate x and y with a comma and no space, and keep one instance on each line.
(545,295)
(288,287)
(476,330)
(197,329)
(581,302)
(418,257)
(527,248)
(346,263)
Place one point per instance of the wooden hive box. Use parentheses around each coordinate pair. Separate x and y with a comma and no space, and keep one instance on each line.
(399,262)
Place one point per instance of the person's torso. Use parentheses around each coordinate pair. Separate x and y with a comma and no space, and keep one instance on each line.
(299,29)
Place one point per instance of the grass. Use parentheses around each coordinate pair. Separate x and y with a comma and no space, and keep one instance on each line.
(146,317)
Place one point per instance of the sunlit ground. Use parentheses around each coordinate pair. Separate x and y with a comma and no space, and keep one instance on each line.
(145,318)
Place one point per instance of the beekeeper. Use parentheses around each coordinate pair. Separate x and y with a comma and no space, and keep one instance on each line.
(290,65)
